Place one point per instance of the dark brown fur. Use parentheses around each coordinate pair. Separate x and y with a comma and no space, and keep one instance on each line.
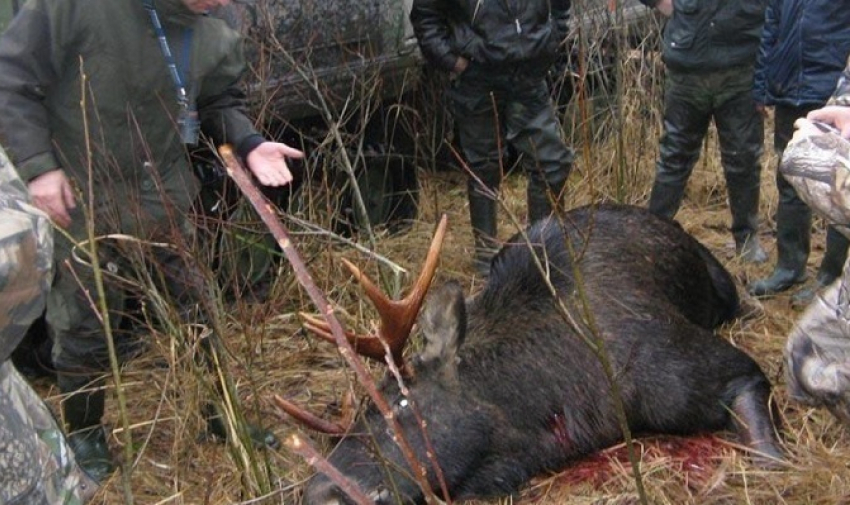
(508,389)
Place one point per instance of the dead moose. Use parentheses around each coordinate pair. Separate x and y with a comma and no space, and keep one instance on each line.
(505,388)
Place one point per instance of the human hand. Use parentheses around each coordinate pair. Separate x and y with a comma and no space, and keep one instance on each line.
(761,109)
(52,193)
(267,162)
(665,7)
(460,66)
(835,115)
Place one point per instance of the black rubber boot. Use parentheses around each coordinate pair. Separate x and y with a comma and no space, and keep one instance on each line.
(665,199)
(482,216)
(793,237)
(542,201)
(743,205)
(831,267)
(82,412)
(261,437)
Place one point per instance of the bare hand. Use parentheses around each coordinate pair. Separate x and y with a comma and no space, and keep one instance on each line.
(835,115)
(460,67)
(268,163)
(665,7)
(761,109)
(52,193)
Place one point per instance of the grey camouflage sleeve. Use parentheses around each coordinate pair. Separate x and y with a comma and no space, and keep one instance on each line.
(841,96)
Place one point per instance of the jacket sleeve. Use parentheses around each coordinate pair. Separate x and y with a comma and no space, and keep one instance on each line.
(841,96)
(30,52)
(817,353)
(767,44)
(222,103)
(561,17)
(433,28)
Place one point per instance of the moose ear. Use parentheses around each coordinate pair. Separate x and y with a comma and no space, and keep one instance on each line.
(443,323)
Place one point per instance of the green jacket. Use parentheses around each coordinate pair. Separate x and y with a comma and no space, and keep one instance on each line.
(55,49)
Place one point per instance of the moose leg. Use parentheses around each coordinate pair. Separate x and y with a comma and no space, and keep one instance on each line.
(754,420)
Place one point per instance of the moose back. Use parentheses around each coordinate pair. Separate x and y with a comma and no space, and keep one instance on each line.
(510,382)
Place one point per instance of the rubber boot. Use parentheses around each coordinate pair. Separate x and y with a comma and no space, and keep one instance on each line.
(540,200)
(482,216)
(831,267)
(793,238)
(260,436)
(743,205)
(83,412)
(665,199)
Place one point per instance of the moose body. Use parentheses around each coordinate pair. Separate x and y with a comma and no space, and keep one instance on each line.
(506,388)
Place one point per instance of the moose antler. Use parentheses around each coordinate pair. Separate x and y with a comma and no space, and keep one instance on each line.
(397,316)
(317,423)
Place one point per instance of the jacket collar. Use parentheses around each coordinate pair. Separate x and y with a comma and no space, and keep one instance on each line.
(175,11)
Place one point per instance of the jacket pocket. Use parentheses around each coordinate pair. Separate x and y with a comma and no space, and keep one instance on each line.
(754,7)
(681,29)
(686,6)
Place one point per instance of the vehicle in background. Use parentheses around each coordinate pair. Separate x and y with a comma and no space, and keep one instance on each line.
(8,8)
(346,78)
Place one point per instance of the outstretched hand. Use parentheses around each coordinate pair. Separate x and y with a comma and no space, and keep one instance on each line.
(52,193)
(267,162)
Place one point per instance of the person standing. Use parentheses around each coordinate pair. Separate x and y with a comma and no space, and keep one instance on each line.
(36,465)
(709,53)
(817,352)
(104,98)
(498,55)
(804,47)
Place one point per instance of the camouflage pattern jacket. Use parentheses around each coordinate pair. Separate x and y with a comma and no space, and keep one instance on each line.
(841,96)
(817,353)
(36,464)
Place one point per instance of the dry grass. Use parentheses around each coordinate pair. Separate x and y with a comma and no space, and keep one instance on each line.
(271,354)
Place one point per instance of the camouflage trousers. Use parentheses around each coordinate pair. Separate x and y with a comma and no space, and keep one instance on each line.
(36,465)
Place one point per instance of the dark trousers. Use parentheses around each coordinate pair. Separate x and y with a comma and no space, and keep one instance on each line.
(494,109)
(691,102)
(792,208)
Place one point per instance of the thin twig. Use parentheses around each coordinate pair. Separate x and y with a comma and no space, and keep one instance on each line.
(278,231)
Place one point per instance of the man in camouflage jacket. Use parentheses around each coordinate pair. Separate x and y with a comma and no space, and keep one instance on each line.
(498,54)
(92,102)
(36,465)
(817,164)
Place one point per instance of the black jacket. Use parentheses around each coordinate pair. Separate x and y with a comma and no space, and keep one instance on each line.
(490,32)
(804,47)
(710,35)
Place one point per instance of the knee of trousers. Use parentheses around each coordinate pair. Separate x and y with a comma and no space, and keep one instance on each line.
(79,338)
(743,163)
